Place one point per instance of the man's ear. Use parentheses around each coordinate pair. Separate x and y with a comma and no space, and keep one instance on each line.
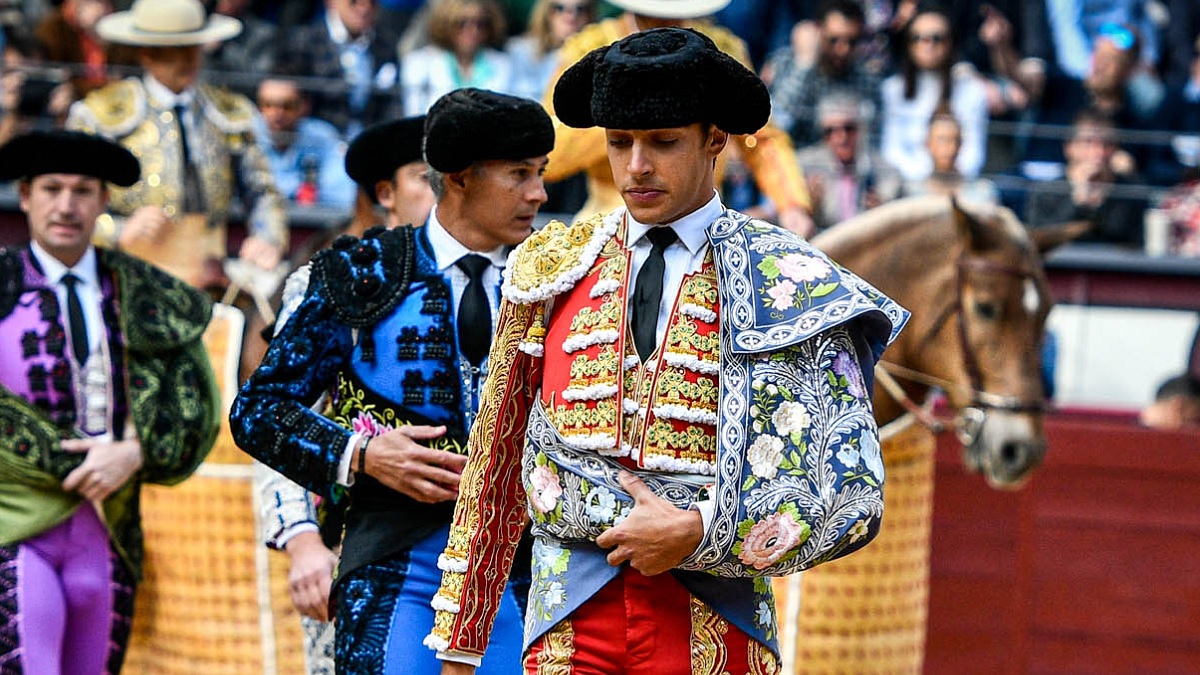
(717,140)
(385,194)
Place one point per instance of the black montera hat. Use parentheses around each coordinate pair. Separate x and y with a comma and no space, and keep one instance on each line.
(472,125)
(74,152)
(377,152)
(658,79)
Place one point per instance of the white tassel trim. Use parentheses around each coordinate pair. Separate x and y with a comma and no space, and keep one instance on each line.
(441,604)
(632,361)
(674,411)
(584,340)
(679,465)
(535,349)
(590,393)
(697,312)
(604,286)
(692,362)
(436,643)
(567,280)
(629,406)
(448,564)
(591,441)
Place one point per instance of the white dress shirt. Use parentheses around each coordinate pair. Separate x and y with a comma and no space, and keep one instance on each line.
(87,288)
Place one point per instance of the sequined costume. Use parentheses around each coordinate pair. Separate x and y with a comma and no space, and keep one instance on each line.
(158,385)
(757,402)
(232,168)
(768,153)
(376,328)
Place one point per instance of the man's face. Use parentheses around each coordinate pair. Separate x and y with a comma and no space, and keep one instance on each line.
(281,105)
(175,67)
(664,174)
(1091,146)
(407,197)
(840,132)
(357,15)
(62,209)
(839,38)
(501,199)
(1110,67)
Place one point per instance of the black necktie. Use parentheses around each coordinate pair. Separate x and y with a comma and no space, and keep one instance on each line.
(474,313)
(79,341)
(647,292)
(193,195)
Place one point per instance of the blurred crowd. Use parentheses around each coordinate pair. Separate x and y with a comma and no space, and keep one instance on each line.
(1059,109)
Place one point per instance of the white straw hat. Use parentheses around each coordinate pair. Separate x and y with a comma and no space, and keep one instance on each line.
(167,23)
(672,9)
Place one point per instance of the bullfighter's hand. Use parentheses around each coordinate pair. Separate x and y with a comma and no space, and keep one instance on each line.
(397,460)
(260,252)
(310,575)
(656,536)
(797,220)
(107,467)
(147,223)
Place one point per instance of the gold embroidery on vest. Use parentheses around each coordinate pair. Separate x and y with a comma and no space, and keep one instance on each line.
(558,646)
(709,654)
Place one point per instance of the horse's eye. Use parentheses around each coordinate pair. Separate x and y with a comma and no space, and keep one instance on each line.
(987,310)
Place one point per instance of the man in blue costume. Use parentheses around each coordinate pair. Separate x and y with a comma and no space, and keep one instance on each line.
(397,326)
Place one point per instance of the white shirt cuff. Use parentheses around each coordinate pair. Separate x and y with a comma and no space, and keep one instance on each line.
(344,476)
(459,657)
(299,528)
(707,509)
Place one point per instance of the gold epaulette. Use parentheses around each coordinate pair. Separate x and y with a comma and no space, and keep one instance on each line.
(553,259)
(113,110)
(231,112)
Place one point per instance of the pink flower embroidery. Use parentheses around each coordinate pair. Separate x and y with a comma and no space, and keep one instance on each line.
(800,268)
(368,425)
(783,295)
(769,540)
(546,489)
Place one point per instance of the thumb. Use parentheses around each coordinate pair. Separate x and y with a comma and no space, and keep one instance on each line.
(77,444)
(634,486)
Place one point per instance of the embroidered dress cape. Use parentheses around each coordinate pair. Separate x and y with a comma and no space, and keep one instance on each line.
(161,379)
(757,402)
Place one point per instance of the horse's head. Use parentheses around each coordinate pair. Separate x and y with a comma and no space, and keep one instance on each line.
(974,281)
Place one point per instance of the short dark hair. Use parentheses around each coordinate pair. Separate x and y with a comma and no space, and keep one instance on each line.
(850,9)
(1186,385)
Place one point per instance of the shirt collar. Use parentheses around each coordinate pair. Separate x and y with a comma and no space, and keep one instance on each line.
(54,270)
(691,229)
(166,98)
(340,35)
(447,250)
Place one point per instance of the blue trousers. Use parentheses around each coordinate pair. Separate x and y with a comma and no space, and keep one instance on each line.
(383,614)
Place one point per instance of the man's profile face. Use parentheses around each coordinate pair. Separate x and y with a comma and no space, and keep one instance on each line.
(502,198)
(664,174)
(176,68)
(839,39)
(62,209)
(408,197)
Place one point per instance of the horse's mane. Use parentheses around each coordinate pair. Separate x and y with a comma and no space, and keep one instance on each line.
(888,221)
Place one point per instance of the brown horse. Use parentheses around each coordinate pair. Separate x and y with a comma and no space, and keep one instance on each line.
(972,277)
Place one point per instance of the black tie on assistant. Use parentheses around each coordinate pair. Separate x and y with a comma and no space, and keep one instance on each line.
(193,195)
(79,341)
(647,292)
(474,312)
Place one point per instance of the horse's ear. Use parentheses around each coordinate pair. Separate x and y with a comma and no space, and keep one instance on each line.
(978,236)
(1053,236)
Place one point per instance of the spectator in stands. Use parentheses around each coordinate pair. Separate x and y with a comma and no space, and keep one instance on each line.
(1176,404)
(1182,30)
(305,153)
(32,96)
(768,153)
(943,143)
(358,58)
(196,143)
(1182,112)
(240,62)
(1077,25)
(796,86)
(844,177)
(68,34)
(534,54)
(928,80)
(1092,191)
(466,37)
(764,25)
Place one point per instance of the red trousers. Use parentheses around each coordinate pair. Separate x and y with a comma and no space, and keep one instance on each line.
(639,625)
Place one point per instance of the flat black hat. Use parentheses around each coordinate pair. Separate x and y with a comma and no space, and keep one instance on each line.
(473,125)
(659,79)
(74,152)
(377,152)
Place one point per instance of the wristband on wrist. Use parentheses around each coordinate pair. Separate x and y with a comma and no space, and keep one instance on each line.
(362,455)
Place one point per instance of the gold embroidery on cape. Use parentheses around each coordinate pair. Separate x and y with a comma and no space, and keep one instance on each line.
(558,646)
(761,660)
(709,653)
(551,252)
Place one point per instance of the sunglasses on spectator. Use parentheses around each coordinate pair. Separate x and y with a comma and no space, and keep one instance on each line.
(931,38)
(472,22)
(847,128)
(574,10)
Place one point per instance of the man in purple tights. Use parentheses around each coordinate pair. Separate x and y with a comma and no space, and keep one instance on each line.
(104,385)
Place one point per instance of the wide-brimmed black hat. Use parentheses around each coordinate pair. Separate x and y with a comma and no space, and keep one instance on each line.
(377,152)
(72,152)
(473,125)
(659,79)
